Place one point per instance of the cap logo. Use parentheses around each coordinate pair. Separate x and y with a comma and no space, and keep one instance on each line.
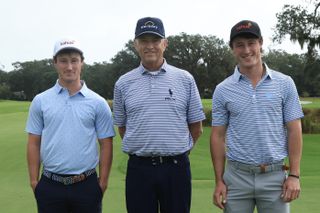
(244,26)
(149,24)
(66,42)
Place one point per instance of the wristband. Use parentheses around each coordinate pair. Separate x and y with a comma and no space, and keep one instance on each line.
(295,176)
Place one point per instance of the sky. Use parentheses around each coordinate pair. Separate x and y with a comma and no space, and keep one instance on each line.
(30,28)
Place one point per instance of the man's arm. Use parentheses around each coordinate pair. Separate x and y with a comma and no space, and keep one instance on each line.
(195,130)
(217,148)
(291,187)
(33,158)
(105,162)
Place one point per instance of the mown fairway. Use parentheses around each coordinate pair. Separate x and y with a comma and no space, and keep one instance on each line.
(16,195)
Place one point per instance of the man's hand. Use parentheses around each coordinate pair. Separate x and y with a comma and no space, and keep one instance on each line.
(291,189)
(33,185)
(103,185)
(220,195)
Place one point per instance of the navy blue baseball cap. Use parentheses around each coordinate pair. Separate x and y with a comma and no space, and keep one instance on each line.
(245,27)
(150,25)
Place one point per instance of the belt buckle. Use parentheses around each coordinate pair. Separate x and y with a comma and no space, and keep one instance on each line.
(77,178)
(67,180)
(156,160)
(262,168)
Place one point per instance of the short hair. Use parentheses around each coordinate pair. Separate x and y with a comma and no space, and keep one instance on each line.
(68,51)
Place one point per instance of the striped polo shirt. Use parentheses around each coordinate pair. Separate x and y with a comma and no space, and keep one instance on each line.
(156,110)
(256,117)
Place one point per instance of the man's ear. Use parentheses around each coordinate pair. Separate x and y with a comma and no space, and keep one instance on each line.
(166,42)
(135,44)
(261,41)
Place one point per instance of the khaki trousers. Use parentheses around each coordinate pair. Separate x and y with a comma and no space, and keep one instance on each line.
(249,189)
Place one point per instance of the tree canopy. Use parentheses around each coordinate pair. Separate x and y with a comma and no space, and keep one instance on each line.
(301,23)
(207,58)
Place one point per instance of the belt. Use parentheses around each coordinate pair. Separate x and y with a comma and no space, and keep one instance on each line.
(157,160)
(256,169)
(68,179)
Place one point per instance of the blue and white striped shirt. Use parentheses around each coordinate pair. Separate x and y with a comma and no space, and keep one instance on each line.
(256,117)
(156,110)
(69,127)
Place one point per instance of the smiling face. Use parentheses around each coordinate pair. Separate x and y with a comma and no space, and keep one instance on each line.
(150,49)
(68,66)
(247,52)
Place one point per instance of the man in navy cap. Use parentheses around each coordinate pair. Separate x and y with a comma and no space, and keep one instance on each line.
(256,125)
(158,110)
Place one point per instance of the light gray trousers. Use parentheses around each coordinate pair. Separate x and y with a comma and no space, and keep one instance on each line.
(249,189)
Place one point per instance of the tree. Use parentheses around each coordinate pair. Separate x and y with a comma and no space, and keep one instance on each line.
(289,64)
(207,58)
(98,77)
(5,92)
(32,77)
(126,59)
(301,25)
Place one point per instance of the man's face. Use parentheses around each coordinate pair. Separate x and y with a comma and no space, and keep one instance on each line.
(69,67)
(247,51)
(150,48)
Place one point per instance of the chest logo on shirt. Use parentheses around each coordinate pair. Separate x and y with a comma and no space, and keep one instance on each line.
(170,98)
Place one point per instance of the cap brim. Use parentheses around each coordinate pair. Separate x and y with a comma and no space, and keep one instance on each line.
(149,32)
(68,48)
(245,33)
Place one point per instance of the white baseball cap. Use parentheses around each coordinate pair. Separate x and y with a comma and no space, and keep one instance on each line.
(66,43)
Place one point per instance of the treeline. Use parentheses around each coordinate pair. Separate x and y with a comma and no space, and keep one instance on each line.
(207,58)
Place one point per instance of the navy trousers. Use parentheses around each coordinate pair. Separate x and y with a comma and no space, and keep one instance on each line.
(81,197)
(158,185)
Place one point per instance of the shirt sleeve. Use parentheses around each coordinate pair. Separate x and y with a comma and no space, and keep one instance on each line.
(291,107)
(220,115)
(103,121)
(195,108)
(35,121)
(119,112)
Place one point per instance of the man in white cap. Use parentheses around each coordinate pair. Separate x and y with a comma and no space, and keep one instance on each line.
(64,125)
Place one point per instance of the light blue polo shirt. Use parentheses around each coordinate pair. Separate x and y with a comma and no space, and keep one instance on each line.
(156,110)
(69,127)
(256,117)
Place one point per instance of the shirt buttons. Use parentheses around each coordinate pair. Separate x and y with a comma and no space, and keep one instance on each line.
(254,100)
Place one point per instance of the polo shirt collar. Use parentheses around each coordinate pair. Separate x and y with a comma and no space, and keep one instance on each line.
(237,75)
(83,91)
(163,68)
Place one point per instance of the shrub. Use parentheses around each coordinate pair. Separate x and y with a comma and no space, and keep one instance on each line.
(311,121)
(208,114)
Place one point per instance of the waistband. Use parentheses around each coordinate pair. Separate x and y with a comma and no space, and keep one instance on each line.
(156,160)
(68,179)
(256,169)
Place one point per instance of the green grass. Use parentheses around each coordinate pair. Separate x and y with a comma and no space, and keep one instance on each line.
(16,195)
(315,103)
(207,103)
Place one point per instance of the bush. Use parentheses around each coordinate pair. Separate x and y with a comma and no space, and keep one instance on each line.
(311,121)
(5,92)
(208,114)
